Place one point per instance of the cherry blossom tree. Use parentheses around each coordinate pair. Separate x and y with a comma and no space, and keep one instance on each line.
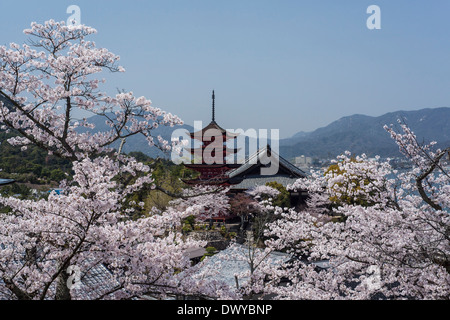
(44,85)
(393,245)
(243,206)
(52,78)
(85,227)
(213,201)
(392,241)
(254,260)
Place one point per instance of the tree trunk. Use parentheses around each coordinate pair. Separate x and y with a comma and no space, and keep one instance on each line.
(62,290)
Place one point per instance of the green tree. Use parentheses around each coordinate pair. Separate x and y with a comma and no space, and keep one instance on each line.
(351,185)
(283,200)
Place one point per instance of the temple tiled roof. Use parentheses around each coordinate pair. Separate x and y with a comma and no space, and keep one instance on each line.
(253,162)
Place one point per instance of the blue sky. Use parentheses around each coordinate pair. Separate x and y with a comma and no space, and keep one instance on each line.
(288,64)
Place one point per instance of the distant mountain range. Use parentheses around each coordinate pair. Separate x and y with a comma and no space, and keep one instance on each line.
(357,134)
(364,134)
(138,142)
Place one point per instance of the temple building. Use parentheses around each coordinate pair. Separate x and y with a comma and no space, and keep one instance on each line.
(214,169)
(248,175)
(212,165)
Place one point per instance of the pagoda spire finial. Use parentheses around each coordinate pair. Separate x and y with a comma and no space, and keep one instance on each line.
(213,106)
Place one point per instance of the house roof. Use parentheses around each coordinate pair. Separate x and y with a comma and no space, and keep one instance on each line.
(234,260)
(192,253)
(94,282)
(4,182)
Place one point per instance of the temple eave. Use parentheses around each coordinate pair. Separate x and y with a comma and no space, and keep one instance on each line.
(206,166)
(222,182)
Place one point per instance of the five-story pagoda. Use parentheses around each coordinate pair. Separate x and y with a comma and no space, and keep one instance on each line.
(212,159)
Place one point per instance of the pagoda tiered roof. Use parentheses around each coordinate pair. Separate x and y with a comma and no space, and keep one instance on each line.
(209,130)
